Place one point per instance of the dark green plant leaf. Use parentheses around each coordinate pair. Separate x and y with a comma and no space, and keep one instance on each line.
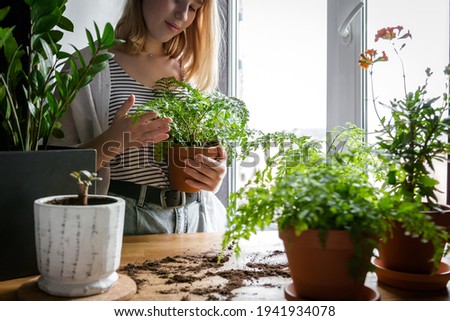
(65,24)
(45,24)
(40,9)
(4,12)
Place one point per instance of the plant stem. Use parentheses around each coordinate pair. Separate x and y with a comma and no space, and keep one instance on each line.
(83,194)
(403,70)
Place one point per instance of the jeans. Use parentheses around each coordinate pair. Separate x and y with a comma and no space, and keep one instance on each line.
(208,215)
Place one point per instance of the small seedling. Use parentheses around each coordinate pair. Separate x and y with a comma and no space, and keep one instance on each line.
(84,179)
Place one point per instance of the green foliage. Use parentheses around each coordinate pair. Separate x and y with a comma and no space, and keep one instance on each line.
(199,118)
(307,187)
(411,140)
(35,92)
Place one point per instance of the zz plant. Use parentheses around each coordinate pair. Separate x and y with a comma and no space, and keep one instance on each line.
(35,89)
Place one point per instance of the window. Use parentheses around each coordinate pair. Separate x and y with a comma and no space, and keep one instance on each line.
(282,64)
(83,13)
(294,71)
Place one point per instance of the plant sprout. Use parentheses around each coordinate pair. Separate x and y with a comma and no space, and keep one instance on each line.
(84,179)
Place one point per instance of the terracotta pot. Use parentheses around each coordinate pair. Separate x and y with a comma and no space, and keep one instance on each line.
(407,254)
(176,158)
(322,273)
(78,247)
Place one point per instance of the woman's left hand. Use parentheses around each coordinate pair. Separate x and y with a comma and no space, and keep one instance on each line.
(207,173)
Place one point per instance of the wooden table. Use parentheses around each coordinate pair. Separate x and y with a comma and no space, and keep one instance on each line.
(180,268)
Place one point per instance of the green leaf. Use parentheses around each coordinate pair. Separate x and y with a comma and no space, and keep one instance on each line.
(45,24)
(108,35)
(97,32)
(48,51)
(55,35)
(91,42)
(65,24)
(63,55)
(2,93)
(80,57)
(95,68)
(4,12)
(102,58)
(40,9)
(31,108)
(58,133)
(5,35)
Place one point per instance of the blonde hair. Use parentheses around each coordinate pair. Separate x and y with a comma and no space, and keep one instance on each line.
(197,47)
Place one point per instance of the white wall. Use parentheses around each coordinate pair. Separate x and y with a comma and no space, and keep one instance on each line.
(83,13)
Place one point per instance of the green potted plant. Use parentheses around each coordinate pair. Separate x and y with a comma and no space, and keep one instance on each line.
(411,138)
(200,122)
(78,240)
(38,80)
(29,107)
(329,215)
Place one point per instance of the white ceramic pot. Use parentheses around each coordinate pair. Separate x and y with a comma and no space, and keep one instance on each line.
(78,247)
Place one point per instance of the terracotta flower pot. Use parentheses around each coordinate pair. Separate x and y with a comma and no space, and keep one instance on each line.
(78,247)
(176,162)
(404,253)
(320,273)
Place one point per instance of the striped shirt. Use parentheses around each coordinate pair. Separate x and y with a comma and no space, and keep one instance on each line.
(136,164)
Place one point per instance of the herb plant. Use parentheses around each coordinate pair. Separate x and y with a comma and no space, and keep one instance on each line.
(199,118)
(35,90)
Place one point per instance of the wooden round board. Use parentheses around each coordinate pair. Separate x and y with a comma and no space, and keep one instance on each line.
(124,289)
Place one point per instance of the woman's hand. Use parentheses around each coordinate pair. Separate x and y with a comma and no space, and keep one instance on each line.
(149,128)
(207,173)
(123,133)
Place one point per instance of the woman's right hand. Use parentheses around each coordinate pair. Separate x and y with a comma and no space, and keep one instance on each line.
(124,133)
(149,129)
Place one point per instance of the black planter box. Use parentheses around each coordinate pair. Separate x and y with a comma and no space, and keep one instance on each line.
(24,177)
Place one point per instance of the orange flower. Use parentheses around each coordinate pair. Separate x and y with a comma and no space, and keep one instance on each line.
(369,57)
(386,33)
(365,62)
(389,33)
(384,57)
(370,52)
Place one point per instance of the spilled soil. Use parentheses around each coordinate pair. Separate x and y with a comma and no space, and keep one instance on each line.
(192,277)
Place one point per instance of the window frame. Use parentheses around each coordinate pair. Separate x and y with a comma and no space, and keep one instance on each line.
(345,94)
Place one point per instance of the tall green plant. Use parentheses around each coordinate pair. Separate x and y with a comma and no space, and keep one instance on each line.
(35,90)
(409,141)
(413,135)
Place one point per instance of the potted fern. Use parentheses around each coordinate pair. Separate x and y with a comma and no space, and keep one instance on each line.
(200,122)
(35,91)
(78,240)
(410,139)
(330,217)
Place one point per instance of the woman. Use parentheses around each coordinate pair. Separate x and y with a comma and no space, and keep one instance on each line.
(163,38)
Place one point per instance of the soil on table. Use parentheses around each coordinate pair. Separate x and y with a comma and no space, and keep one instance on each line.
(202,277)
